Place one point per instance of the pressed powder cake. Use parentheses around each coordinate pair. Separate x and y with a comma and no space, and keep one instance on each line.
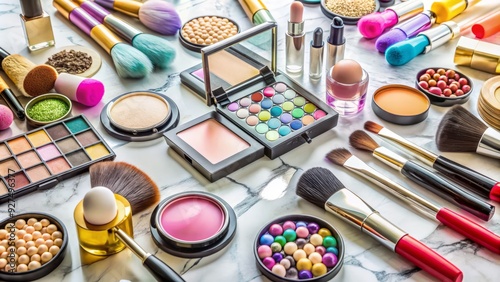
(139,111)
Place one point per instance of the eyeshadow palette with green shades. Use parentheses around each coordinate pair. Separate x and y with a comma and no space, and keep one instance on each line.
(39,159)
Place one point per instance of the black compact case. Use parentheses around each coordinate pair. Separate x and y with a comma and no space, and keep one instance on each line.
(238,77)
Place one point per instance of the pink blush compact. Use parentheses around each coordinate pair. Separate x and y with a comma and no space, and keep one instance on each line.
(193,224)
(192,218)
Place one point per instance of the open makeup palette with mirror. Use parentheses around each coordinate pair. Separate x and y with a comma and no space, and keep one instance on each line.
(258,110)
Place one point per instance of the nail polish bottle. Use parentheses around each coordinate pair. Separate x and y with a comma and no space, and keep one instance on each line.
(36,25)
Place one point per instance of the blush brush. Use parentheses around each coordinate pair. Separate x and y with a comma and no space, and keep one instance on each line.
(461,131)
(467,177)
(458,223)
(424,177)
(320,187)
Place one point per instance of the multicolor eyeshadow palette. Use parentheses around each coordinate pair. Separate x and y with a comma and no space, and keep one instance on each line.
(39,159)
(253,102)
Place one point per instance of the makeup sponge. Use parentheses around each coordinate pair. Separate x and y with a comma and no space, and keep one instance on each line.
(30,79)
(86,91)
(99,206)
(389,38)
(6,117)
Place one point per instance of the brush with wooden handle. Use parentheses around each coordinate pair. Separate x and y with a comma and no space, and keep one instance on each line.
(461,131)
(469,178)
(424,177)
(320,187)
(458,223)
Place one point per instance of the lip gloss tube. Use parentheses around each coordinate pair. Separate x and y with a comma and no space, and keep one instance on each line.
(316,54)
(295,38)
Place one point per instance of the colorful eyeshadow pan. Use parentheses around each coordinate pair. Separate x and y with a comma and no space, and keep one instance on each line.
(57,132)
(252,120)
(272,135)
(288,106)
(276,111)
(309,108)
(289,94)
(297,113)
(40,158)
(266,103)
(278,99)
(68,145)
(307,120)
(38,138)
(245,102)
(264,116)
(280,87)
(257,97)
(19,145)
(4,151)
(286,118)
(296,124)
(242,113)
(268,92)
(284,130)
(274,123)
(262,128)
(28,159)
(254,108)
(233,107)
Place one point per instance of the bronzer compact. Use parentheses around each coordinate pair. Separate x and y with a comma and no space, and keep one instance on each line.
(258,111)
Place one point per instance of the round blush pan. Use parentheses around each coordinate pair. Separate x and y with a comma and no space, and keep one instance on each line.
(193,224)
(400,104)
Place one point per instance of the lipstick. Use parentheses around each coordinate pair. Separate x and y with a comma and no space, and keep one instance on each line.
(405,30)
(316,54)
(295,37)
(320,187)
(336,43)
(448,9)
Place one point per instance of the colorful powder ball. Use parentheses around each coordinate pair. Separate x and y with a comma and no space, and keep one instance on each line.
(6,117)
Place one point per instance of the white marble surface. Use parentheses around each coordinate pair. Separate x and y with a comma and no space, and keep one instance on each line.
(264,189)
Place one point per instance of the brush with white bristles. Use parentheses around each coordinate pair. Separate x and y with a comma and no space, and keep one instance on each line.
(158,50)
(129,62)
(460,224)
(469,178)
(461,131)
(157,15)
(320,187)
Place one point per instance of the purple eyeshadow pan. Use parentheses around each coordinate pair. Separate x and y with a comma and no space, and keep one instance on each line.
(233,107)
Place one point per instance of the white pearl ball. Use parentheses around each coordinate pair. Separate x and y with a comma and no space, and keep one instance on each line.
(99,206)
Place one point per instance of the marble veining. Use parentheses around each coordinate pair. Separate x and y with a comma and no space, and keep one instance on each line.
(265,189)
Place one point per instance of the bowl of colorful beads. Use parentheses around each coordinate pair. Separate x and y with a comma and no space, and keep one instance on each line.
(299,248)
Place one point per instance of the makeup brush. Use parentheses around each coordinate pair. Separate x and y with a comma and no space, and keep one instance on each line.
(405,51)
(320,187)
(460,224)
(461,131)
(158,50)
(129,62)
(141,192)
(159,16)
(424,177)
(469,178)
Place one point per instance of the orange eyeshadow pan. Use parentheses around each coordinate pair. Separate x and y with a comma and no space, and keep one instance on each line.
(28,159)
(58,165)
(4,151)
(19,145)
(8,166)
(38,172)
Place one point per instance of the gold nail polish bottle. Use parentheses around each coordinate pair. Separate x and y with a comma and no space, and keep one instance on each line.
(36,25)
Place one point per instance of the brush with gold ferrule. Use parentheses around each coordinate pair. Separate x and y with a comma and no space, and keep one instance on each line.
(424,177)
(129,62)
(467,177)
(458,223)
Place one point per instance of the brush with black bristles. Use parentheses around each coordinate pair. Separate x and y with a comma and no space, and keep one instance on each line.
(467,177)
(320,187)
(460,224)
(424,177)
(461,131)
(141,192)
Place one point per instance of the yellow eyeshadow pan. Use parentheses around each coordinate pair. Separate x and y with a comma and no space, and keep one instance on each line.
(38,138)
(97,151)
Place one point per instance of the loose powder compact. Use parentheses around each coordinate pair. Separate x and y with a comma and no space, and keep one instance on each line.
(400,104)
(350,11)
(193,224)
(259,111)
(139,116)
(206,30)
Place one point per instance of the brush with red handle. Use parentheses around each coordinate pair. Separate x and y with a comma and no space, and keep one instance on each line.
(458,223)
(320,187)
(469,178)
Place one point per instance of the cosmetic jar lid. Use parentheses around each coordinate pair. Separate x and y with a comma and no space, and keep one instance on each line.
(186,32)
(139,129)
(400,104)
(34,119)
(347,19)
(180,239)
(444,101)
(489,102)
(49,266)
(296,218)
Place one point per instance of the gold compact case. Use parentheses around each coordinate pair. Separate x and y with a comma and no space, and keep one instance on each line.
(478,55)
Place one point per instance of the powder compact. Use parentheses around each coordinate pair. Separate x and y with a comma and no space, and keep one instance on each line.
(206,30)
(139,116)
(488,104)
(258,111)
(350,11)
(193,224)
(400,104)
(47,108)
(41,158)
